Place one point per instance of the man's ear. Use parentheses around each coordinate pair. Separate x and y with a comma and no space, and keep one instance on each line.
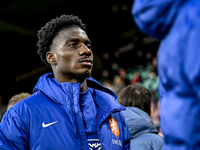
(51,58)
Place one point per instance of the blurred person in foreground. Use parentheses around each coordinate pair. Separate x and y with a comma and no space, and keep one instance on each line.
(177,24)
(16,98)
(143,133)
(68,109)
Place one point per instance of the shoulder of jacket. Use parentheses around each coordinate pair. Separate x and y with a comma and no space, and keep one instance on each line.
(24,105)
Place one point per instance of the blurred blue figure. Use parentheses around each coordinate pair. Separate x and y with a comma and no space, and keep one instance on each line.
(177,24)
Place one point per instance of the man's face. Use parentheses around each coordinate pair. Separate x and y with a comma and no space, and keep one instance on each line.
(72,51)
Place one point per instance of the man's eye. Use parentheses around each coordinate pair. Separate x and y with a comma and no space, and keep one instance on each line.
(89,46)
(73,45)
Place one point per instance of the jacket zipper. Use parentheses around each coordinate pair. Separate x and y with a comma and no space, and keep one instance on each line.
(77,125)
(75,115)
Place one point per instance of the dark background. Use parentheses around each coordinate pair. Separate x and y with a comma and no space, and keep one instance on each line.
(110,27)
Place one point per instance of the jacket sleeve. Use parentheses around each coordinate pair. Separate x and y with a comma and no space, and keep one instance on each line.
(13,133)
(126,142)
(154,17)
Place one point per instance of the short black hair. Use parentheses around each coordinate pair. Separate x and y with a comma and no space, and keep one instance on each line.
(47,33)
(136,96)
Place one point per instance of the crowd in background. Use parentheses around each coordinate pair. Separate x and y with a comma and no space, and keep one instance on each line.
(115,76)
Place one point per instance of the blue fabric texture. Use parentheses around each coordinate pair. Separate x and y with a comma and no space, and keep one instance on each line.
(176,23)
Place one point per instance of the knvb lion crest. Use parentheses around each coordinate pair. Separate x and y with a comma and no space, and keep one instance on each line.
(113,126)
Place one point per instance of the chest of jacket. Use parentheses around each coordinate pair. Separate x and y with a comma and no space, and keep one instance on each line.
(62,127)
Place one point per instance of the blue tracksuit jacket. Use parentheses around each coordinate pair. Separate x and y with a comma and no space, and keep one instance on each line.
(51,118)
(177,24)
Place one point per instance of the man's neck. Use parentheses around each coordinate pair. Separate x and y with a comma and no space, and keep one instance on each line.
(71,78)
(83,86)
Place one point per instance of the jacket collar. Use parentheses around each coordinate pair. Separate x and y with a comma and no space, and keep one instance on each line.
(58,92)
(63,93)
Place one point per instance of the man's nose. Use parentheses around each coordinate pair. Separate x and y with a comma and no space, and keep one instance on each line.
(84,50)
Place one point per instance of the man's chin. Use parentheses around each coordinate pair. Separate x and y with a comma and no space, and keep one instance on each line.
(82,76)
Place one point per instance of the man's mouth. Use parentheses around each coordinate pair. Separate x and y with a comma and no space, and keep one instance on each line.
(86,61)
